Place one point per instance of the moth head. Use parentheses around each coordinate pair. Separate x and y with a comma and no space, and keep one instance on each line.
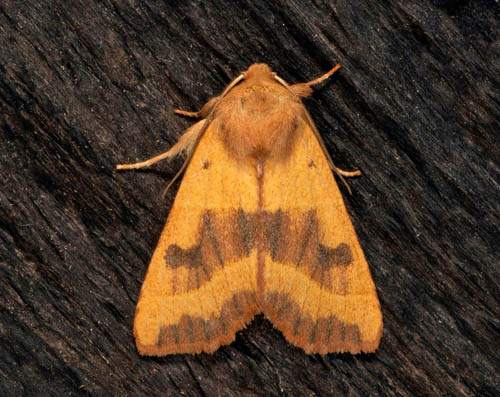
(256,73)
(260,72)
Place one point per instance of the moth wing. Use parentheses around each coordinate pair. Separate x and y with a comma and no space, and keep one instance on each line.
(318,290)
(200,285)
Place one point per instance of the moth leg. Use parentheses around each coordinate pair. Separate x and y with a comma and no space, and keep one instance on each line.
(347,173)
(304,89)
(203,113)
(143,164)
(185,144)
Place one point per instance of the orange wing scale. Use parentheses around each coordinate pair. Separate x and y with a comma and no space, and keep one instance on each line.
(203,283)
(258,225)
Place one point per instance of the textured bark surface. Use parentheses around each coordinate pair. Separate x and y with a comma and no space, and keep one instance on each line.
(87,85)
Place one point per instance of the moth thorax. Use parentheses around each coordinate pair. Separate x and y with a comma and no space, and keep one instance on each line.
(259,132)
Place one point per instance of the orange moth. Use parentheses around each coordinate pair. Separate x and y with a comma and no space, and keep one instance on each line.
(258,225)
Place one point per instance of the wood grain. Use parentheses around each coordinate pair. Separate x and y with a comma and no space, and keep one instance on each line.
(415,108)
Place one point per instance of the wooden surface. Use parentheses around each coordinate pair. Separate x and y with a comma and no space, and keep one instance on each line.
(87,85)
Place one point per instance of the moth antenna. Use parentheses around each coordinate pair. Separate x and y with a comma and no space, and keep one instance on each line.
(282,82)
(230,86)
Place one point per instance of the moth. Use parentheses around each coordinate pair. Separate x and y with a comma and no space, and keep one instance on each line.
(258,226)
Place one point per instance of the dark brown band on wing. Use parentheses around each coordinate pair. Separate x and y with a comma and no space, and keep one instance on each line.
(297,241)
(195,334)
(322,335)
(222,238)
(228,237)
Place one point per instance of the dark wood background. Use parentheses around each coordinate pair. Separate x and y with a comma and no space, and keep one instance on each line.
(85,85)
